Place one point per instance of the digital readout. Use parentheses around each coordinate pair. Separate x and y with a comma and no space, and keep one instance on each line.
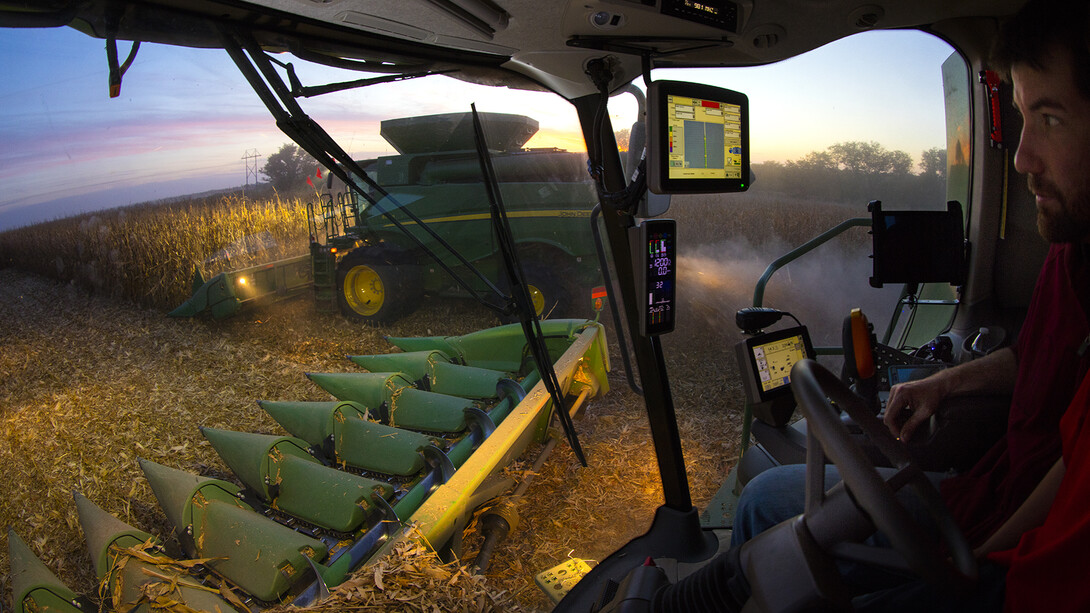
(660,275)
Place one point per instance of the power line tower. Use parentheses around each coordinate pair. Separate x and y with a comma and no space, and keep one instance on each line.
(251,156)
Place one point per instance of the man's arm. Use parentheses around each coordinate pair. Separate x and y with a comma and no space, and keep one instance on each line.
(1031,514)
(993,373)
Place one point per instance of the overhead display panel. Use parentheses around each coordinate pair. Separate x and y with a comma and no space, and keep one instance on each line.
(722,14)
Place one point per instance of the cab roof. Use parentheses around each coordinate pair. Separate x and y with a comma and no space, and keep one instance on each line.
(546,41)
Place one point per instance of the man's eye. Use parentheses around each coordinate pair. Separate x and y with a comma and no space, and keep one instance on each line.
(1050,121)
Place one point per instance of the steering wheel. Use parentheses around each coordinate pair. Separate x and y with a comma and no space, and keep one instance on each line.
(814,387)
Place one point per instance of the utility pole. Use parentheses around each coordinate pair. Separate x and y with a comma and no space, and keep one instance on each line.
(251,155)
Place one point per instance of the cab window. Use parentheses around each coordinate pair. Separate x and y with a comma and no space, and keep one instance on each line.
(876,116)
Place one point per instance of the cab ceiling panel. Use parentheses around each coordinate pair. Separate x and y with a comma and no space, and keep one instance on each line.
(197,23)
(548,40)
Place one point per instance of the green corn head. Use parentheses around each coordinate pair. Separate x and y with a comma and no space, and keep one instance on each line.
(413,441)
(230,292)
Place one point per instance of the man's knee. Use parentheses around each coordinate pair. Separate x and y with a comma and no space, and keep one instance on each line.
(770,498)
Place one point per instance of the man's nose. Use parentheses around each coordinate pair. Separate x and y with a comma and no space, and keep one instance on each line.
(1026,158)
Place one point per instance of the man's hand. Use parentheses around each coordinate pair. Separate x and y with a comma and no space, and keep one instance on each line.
(913,403)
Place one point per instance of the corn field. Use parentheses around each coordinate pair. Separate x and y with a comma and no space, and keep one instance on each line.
(146,254)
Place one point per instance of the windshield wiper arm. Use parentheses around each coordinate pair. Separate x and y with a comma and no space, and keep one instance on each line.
(312,138)
(531,326)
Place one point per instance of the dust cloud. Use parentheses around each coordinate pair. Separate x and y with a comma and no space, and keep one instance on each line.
(819,289)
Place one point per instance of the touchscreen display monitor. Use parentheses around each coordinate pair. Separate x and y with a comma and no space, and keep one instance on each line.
(765,362)
(698,139)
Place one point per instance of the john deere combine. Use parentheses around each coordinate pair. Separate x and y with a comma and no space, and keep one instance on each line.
(369,255)
(414,438)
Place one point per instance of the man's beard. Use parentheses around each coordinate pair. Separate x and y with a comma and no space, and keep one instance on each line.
(1069,222)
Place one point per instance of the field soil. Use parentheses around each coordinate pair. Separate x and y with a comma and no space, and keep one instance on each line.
(90,384)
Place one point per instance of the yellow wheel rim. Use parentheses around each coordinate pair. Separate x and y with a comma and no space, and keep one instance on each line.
(537,298)
(363,290)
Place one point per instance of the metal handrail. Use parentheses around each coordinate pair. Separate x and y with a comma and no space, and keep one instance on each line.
(803,249)
(759,293)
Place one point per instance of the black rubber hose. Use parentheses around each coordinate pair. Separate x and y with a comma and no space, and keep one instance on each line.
(718,587)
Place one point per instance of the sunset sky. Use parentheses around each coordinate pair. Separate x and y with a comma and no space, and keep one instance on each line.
(186,117)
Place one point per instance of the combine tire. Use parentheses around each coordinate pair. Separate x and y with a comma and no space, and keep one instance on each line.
(377,287)
(553,291)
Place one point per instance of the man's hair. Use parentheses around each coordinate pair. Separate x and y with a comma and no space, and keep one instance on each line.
(1042,28)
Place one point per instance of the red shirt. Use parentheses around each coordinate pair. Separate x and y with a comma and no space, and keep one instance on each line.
(1049,370)
(1048,568)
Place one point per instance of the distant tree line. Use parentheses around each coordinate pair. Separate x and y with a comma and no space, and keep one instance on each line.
(851,172)
(857,172)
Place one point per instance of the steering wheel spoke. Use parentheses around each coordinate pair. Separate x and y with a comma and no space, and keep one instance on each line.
(905,475)
(814,388)
(815,473)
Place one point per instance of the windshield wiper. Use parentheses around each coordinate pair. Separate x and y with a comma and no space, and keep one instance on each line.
(299,90)
(257,67)
(531,326)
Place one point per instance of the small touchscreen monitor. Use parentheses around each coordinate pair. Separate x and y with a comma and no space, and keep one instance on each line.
(698,139)
(903,373)
(765,362)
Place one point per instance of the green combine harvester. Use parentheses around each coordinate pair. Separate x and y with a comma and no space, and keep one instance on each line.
(367,268)
(409,447)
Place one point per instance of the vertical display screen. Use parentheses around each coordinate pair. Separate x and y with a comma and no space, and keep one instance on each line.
(935,238)
(658,238)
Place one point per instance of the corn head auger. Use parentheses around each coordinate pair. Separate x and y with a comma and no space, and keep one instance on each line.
(407,450)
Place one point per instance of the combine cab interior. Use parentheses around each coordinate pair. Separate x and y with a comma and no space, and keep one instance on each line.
(962,265)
